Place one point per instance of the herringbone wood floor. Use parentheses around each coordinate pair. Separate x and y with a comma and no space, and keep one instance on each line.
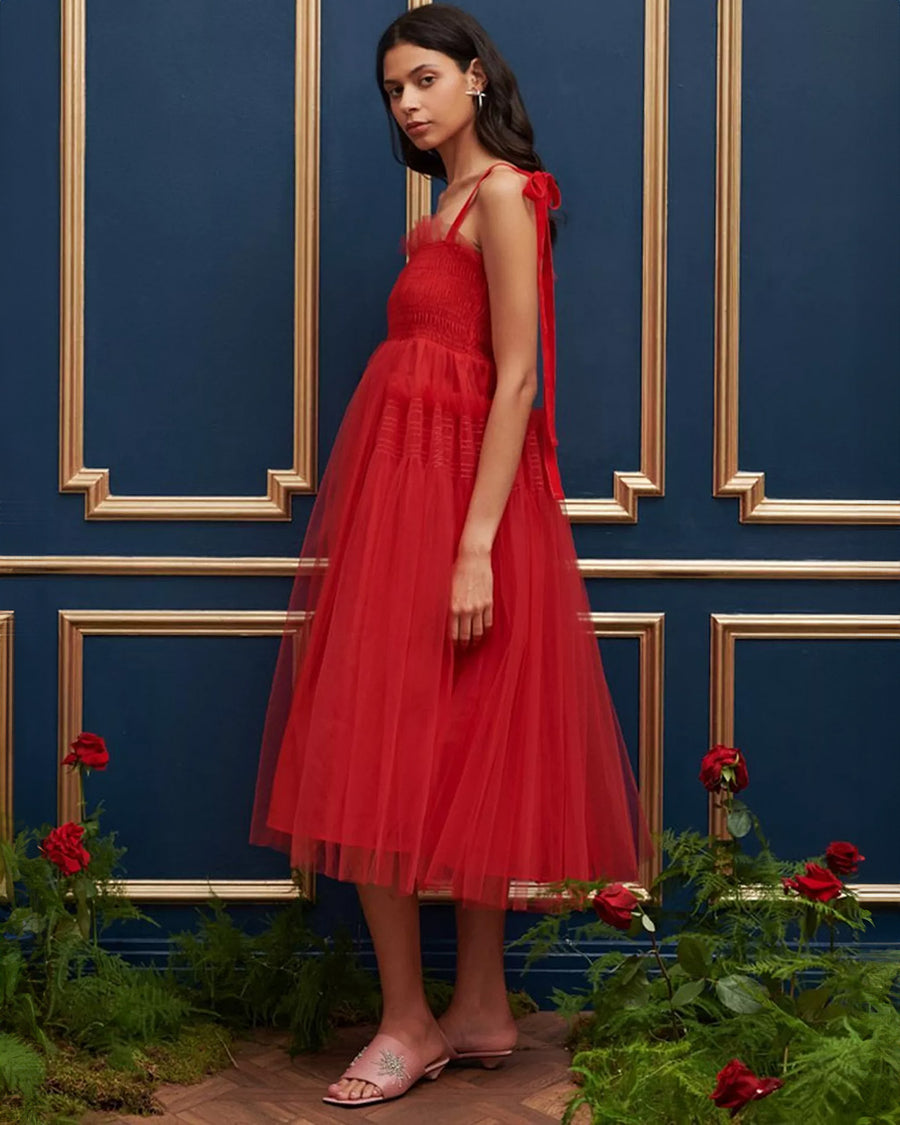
(267,1086)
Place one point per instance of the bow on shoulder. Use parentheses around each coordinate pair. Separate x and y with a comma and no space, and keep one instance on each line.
(542,186)
(543,189)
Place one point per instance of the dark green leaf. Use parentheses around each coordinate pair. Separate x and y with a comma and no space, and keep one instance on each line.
(687,993)
(637,994)
(739,822)
(628,970)
(809,924)
(692,958)
(811,1001)
(739,993)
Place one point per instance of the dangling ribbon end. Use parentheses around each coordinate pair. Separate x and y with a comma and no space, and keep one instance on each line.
(553,478)
(542,188)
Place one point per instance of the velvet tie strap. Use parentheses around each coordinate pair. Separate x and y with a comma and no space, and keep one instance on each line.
(543,189)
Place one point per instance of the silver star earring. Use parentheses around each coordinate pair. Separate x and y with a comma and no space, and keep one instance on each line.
(477,94)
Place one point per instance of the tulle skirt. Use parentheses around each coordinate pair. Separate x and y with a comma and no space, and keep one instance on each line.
(390,754)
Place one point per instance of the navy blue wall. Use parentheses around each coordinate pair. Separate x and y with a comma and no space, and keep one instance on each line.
(188,351)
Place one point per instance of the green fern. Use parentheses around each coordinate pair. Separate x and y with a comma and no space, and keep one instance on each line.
(735,971)
(287,976)
(22,1070)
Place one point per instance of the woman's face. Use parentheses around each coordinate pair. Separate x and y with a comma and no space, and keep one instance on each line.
(427,86)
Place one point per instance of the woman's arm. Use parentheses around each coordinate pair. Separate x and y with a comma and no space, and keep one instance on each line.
(508,235)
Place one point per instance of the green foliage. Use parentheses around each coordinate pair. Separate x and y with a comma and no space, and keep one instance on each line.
(735,969)
(116,1004)
(81,1028)
(286,976)
(122,1081)
(22,1069)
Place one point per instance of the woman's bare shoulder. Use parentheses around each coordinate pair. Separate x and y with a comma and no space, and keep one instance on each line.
(502,188)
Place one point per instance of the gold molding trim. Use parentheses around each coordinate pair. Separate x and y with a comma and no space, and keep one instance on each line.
(728,479)
(880,893)
(254,566)
(74,626)
(7,633)
(199,890)
(74,476)
(726,629)
(649,629)
(649,480)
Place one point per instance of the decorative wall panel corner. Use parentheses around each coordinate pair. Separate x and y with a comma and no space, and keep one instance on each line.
(74,626)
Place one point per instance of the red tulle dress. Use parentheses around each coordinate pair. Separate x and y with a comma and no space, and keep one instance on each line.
(390,754)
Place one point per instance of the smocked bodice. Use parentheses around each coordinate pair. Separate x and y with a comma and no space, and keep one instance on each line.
(441,293)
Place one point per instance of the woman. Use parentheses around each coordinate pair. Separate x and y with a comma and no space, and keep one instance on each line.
(439,717)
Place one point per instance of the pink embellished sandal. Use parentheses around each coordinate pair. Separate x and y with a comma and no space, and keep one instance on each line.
(488,1059)
(385,1063)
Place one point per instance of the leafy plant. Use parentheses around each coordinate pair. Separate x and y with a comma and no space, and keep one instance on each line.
(22,1070)
(67,1004)
(286,976)
(737,1005)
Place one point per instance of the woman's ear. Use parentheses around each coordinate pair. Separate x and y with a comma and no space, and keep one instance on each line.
(477,73)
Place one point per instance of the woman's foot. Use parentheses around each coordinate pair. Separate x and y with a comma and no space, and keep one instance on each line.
(424,1041)
(479,1030)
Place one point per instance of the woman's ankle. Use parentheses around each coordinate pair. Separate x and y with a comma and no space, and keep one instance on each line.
(420,1020)
(477,1010)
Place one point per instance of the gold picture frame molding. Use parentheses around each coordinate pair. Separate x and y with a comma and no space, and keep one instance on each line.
(728,628)
(728,479)
(74,476)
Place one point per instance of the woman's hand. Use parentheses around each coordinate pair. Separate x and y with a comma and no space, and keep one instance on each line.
(471,597)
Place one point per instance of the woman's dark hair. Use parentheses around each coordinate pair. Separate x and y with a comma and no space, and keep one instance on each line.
(501,123)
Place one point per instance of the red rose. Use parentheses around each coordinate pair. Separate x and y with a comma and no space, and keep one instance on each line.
(842,857)
(88,750)
(737,1085)
(713,763)
(64,848)
(614,905)
(817,884)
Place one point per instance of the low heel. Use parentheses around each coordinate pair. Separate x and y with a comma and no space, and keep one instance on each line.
(490,1063)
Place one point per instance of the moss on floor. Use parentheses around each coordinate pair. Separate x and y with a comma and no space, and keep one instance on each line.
(123,1081)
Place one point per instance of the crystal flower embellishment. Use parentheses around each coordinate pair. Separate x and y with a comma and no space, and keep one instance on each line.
(392,1064)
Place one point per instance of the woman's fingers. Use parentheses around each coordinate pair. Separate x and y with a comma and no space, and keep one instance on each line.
(469,628)
(471,599)
(477,627)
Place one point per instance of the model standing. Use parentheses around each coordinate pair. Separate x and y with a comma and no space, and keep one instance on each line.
(439,716)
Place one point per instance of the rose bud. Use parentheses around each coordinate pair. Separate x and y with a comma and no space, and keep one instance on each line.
(737,1085)
(713,763)
(614,905)
(842,857)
